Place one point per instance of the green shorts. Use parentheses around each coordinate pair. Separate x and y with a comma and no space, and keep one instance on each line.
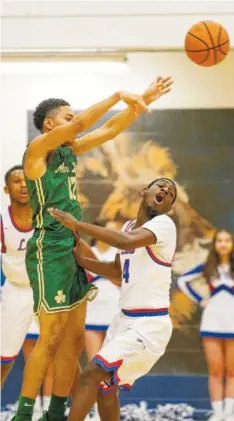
(58,283)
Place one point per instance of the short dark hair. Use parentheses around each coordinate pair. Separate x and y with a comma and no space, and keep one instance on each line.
(164,179)
(44,108)
(8,173)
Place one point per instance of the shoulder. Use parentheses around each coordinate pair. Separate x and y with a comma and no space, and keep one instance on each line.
(162,220)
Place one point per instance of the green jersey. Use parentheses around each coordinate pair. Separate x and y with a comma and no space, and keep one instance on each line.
(56,189)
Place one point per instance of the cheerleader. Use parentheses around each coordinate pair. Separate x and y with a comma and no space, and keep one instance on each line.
(217,322)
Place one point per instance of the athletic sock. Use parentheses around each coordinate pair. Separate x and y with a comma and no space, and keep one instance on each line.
(46,402)
(218,409)
(25,409)
(57,408)
(229,406)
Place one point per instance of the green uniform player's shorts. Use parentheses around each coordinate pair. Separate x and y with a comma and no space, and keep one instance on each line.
(58,283)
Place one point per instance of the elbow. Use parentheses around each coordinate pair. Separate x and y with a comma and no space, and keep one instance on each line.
(77,124)
(125,245)
(110,132)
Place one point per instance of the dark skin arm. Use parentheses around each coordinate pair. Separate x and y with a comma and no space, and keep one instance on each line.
(84,250)
(85,257)
(137,238)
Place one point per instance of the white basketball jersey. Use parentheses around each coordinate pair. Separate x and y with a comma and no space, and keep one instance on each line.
(107,290)
(14,243)
(146,271)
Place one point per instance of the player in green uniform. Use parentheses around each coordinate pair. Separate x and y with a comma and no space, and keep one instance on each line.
(60,286)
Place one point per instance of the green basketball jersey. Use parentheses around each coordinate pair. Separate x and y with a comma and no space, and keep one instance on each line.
(56,189)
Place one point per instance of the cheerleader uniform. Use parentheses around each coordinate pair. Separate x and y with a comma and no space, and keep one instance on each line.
(218,316)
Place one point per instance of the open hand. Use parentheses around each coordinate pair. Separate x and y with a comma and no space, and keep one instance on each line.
(64,218)
(160,87)
(135,101)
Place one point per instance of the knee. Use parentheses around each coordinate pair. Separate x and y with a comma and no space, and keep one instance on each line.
(74,344)
(229,372)
(216,370)
(92,374)
(107,400)
(50,338)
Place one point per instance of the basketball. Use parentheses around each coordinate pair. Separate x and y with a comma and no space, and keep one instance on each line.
(207,43)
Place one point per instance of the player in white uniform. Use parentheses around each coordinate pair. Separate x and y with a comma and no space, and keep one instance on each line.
(139,334)
(17,322)
(217,322)
(102,310)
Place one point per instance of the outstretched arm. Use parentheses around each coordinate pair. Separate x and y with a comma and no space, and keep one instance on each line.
(122,120)
(85,257)
(41,146)
(139,237)
(109,270)
(184,281)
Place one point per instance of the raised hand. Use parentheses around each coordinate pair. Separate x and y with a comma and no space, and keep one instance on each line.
(135,101)
(160,87)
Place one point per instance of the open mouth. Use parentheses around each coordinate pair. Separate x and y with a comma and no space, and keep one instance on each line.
(160,197)
(24,194)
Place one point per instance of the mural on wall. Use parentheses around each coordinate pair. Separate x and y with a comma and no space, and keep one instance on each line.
(195,148)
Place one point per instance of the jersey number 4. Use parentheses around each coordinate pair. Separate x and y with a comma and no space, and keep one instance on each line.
(126,273)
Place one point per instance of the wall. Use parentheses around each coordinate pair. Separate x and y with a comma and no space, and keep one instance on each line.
(195,87)
(116,24)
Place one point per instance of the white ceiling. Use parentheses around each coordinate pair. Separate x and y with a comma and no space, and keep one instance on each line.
(150,25)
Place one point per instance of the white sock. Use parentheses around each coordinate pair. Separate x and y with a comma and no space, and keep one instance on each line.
(218,409)
(37,406)
(46,402)
(229,406)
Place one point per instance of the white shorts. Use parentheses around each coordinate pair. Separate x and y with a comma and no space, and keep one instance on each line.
(16,318)
(132,347)
(218,316)
(104,308)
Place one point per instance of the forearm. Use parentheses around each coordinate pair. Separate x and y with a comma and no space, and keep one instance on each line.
(106,269)
(124,119)
(108,236)
(96,111)
(86,251)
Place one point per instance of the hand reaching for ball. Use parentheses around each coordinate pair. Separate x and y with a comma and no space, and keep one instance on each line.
(160,87)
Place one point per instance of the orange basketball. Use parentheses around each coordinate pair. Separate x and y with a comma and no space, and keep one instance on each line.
(207,43)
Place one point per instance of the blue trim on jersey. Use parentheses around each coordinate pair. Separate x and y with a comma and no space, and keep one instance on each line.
(98,328)
(195,295)
(185,278)
(224,335)
(222,288)
(112,367)
(8,360)
(155,259)
(96,278)
(32,336)
(196,270)
(145,313)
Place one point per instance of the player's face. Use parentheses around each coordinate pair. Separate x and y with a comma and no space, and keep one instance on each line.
(159,198)
(62,116)
(16,187)
(223,243)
